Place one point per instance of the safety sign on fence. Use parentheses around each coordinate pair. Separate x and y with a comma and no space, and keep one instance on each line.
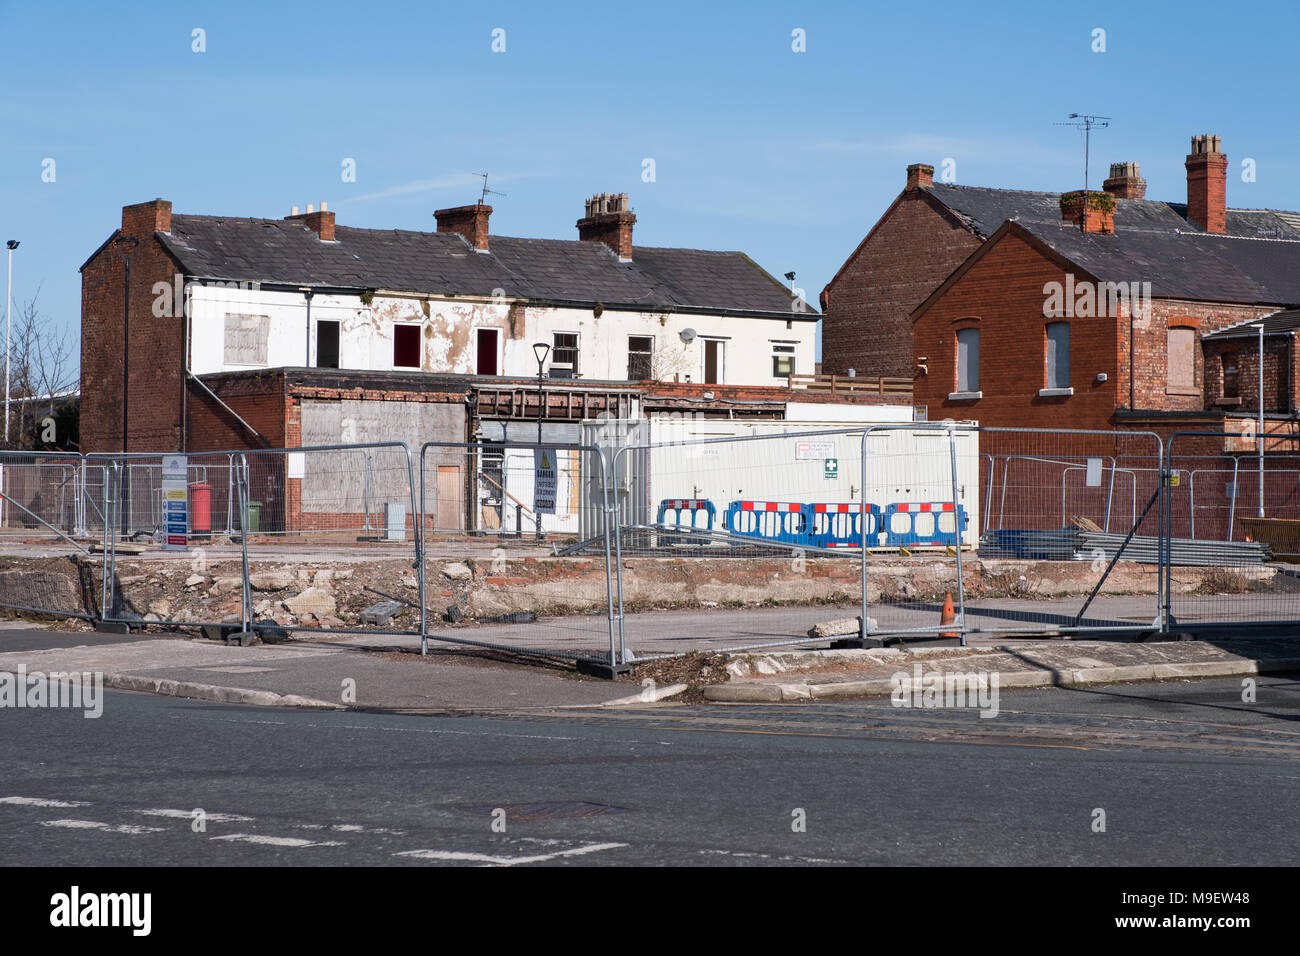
(175,493)
(544,481)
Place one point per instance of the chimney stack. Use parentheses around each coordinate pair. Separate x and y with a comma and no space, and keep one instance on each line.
(1093,211)
(919,175)
(145,218)
(321,223)
(1126,181)
(609,220)
(468,221)
(1207,184)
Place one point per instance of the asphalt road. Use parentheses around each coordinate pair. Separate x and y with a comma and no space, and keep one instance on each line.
(1186,773)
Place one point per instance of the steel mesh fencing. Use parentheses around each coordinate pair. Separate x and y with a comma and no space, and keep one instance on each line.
(516,548)
(42,525)
(163,559)
(42,495)
(735,541)
(1233,526)
(332,536)
(1058,531)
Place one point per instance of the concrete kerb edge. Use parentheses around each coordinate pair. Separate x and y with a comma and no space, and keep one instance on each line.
(165,687)
(772,691)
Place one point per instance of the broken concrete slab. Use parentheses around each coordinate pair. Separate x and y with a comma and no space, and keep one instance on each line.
(312,601)
(382,613)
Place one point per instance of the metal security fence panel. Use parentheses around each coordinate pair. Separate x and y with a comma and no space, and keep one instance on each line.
(738,541)
(516,552)
(332,537)
(41,495)
(165,555)
(299,539)
(1058,531)
(42,525)
(1233,530)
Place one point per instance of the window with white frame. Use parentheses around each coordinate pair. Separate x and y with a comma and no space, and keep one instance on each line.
(564,355)
(640,357)
(783,359)
(1057,355)
(968,360)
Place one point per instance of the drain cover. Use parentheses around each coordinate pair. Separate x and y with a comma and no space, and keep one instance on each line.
(552,810)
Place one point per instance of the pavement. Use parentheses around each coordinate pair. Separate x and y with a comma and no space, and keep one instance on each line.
(383,672)
(826,674)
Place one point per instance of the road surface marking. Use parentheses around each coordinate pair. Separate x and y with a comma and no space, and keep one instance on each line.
(127,828)
(457,856)
(294,842)
(189,815)
(38,802)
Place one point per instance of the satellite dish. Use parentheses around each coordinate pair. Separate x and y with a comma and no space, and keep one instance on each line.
(688,335)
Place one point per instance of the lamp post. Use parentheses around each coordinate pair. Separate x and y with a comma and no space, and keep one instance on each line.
(126,246)
(9,305)
(541,350)
(1260,438)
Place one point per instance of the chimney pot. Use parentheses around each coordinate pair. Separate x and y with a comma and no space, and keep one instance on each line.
(310,208)
(609,219)
(1125,181)
(321,223)
(1207,184)
(293,210)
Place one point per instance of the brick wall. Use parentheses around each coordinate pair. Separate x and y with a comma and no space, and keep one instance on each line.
(1002,295)
(258,398)
(908,254)
(156,343)
(1280,374)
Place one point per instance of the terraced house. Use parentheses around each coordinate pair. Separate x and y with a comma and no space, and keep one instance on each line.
(225,314)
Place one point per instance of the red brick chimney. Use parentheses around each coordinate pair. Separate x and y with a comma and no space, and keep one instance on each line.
(145,218)
(320,222)
(609,220)
(919,175)
(1207,184)
(1126,181)
(1093,211)
(469,221)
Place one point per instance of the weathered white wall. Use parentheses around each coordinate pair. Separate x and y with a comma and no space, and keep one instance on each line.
(449,339)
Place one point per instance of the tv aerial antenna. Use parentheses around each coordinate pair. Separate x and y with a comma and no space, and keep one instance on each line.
(483,195)
(1086,123)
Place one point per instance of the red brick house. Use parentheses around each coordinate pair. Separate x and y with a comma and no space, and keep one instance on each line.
(932,228)
(1122,313)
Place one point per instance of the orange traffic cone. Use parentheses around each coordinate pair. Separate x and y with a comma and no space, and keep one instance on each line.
(949,616)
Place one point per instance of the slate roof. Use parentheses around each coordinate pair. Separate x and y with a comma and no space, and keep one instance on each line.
(1287,320)
(1257,260)
(984,209)
(279,252)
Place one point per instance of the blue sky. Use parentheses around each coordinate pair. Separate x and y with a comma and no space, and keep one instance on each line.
(790,157)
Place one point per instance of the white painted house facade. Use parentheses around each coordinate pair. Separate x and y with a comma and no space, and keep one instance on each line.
(299,292)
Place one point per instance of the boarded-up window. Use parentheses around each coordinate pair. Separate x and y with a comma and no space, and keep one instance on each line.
(246,338)
(1182,360)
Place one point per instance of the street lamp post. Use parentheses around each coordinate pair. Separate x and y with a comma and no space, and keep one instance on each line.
(126,246)
(9,305)
(1260,438)
(540,350)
